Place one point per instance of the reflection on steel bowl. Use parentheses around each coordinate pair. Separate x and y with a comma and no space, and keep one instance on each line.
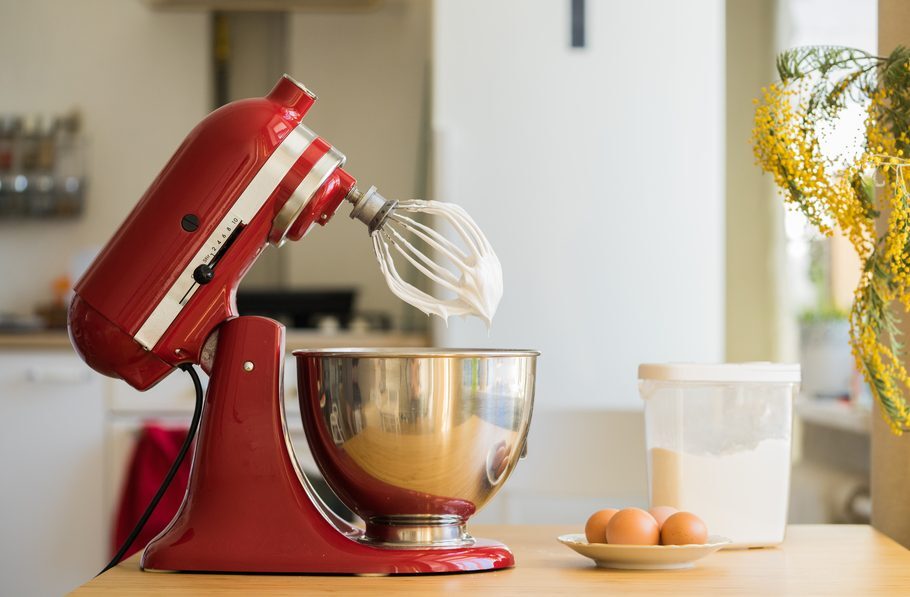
(415,441)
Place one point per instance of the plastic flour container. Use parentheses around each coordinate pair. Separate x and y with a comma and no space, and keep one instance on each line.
(718,440)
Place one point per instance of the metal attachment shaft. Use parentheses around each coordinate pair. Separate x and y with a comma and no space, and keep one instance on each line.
(371,208)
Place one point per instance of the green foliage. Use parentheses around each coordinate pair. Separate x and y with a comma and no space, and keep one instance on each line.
(817,83)
(823,315)
(821,60)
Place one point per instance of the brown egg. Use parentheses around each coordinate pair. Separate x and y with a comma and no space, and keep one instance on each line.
(683,528)
(596,527)
(662,513)
(633,526)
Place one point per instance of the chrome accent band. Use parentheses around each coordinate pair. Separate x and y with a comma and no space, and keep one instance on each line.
(301,196)
(408,532)
(244,209)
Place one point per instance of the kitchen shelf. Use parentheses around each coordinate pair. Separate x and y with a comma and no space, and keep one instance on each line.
(294,339)
(834,414)
(330,6)
(35,340)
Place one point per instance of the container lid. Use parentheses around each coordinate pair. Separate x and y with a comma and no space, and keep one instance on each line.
(759,372)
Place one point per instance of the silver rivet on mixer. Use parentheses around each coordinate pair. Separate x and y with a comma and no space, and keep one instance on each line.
(248,366)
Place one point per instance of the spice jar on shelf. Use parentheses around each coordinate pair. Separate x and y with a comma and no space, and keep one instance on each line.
(69,165)
(42,169)
(9,132)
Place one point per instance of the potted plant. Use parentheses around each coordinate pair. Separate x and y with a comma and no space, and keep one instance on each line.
(824,334)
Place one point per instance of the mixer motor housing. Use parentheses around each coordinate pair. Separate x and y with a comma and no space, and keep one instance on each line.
(249,175)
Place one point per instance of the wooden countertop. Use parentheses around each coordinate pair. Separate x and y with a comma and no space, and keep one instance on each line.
(53,340)
(58,340)
(814,560)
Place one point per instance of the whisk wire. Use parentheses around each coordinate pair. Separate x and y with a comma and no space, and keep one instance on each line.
(435,278)
(407,291)
(463,263)
(472,235)
(395,237)
(432,237)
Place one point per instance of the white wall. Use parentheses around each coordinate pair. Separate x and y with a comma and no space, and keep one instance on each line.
(597,174)
(369,70)
(141,81)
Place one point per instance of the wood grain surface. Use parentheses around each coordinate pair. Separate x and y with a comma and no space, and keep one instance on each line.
(814,560)
(294,339)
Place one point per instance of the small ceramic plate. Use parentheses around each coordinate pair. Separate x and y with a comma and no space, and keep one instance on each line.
(643,557)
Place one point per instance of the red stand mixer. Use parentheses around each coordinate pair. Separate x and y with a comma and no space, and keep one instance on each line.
(162,294)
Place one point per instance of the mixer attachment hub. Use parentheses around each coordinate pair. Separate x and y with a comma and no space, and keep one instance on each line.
(371,208)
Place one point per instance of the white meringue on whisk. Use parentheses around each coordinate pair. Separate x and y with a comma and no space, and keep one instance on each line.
(474,276)
(465,271)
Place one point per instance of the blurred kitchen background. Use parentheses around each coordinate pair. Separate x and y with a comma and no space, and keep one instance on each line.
(611,170)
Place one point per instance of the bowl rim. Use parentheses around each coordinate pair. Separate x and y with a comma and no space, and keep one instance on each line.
(394,352)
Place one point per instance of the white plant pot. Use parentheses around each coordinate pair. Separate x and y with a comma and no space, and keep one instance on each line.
(826,359)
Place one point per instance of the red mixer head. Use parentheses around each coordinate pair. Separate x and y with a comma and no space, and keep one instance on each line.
(248,175)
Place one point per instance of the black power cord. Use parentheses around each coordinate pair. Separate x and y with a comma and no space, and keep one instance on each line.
(194,425)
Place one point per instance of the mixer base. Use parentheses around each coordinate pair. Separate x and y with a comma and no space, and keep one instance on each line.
(484,555)
(249,509)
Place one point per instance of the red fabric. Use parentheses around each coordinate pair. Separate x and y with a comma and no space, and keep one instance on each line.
(153,456)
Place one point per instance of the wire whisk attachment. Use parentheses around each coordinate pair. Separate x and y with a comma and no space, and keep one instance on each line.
(464,271)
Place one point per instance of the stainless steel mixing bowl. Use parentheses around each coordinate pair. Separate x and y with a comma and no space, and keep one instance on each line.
(415,441)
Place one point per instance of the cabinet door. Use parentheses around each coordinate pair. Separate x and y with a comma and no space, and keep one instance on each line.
(51,457)
(175,394)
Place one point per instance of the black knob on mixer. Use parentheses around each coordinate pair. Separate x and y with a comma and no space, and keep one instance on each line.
(203,274)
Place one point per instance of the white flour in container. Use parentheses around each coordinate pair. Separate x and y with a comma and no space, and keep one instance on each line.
(740,495)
